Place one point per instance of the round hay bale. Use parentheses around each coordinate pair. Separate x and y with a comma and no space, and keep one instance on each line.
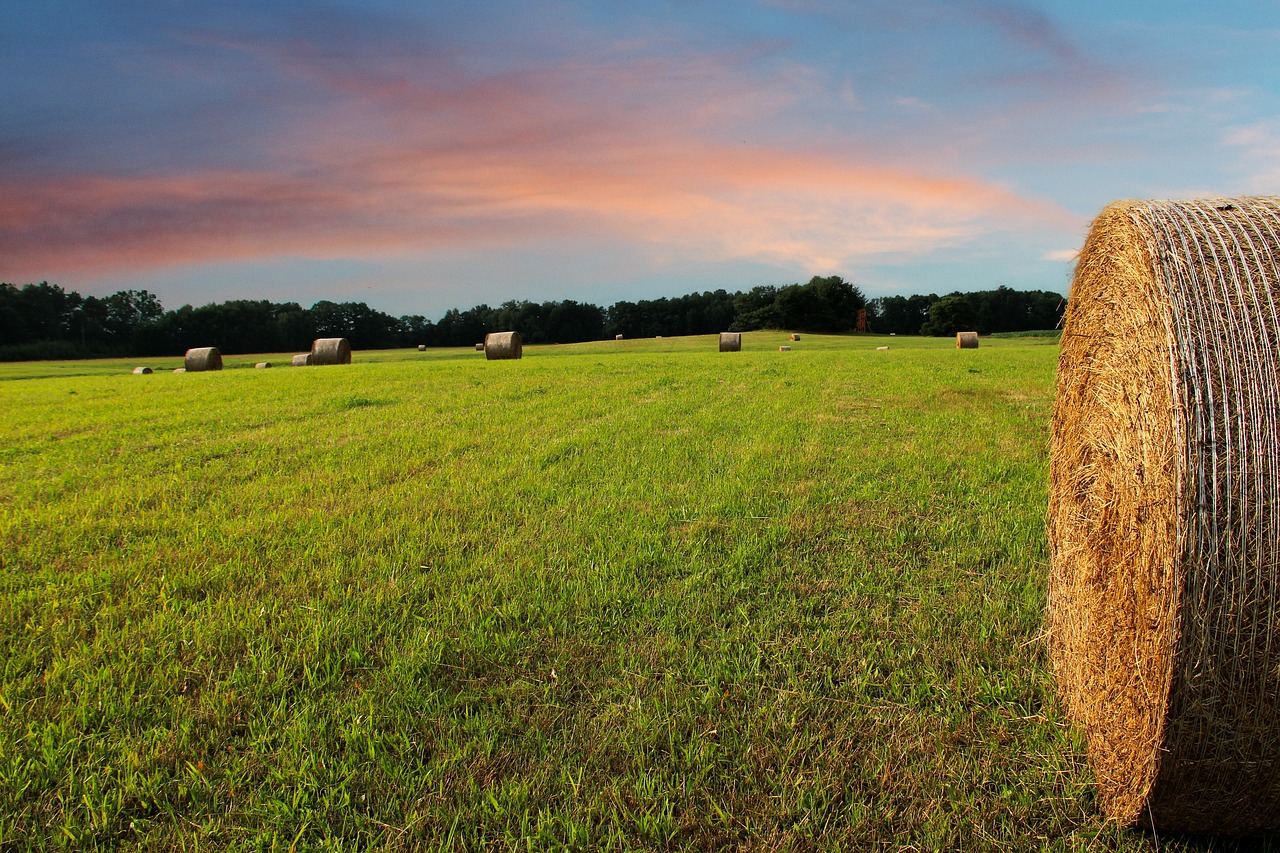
(422,347)
(262,365)
(966,340)
(179,370)
(302,359)
(881,348)
(1163,616)
(617,337)
(795,337)
(202,358)
(784,349)
(141,371)
(330,351)
(502,345)
(730,341)
(479,347)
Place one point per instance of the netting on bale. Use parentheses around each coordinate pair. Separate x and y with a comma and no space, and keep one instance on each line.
(1164,513)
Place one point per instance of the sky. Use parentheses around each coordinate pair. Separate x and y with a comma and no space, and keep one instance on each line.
(418,156)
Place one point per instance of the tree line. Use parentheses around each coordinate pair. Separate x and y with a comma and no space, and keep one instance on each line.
(45,321)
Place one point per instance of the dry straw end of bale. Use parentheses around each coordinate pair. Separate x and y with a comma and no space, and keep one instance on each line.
(730,342)
(966,340)
(795,337)
(1164,582)
(302,359)
(202,358)
(502,345)
(141,371)
(330,351)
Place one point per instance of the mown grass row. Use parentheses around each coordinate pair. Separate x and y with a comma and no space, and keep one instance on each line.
(629,595)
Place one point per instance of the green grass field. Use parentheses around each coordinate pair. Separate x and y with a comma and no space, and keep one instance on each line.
(614,596)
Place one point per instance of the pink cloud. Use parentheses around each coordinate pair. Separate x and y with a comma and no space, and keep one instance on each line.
(416,157)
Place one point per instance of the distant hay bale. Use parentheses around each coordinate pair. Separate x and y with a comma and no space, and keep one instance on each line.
(479,347)
(795,337)
(966,340)
(730,341)
(881,348)
(422,347)
(302,359)
(784,349)
(262,365)
(1163,617)
(141,371)
(330,351)
(202,358)
(502,345)
(617,337)
(179,370)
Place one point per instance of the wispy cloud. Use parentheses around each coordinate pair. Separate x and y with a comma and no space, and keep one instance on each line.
(393,151)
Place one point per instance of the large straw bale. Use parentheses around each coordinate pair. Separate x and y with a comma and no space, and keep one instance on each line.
(502,345)
(302,359)
(730,341)
(202,358)
(966,340)
(330,351)
(1164,513)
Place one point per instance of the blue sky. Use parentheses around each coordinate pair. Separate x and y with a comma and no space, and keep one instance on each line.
(421,156)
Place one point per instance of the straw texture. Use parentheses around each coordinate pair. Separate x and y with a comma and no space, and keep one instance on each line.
(1164,513)
(966,340)
(302,359)
(330,351)
(730,341)
(502,345)
(202,358)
